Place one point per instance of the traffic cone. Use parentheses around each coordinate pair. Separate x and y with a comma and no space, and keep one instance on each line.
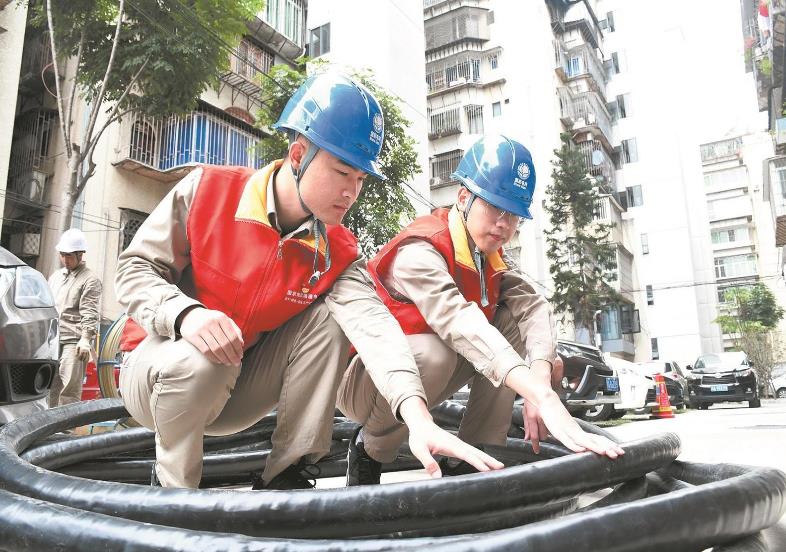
(663,410)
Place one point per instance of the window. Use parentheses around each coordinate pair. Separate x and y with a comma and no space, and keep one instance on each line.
(319,43)
(610,22)
(130,221)
(645,244)
(494,61)
(286,16)
(630,151)
(731,235)
(496,109)
(735,266)
(655,352)
(737,176)
(615,63)
(650,296)
(623,105)
(474,118)
(143,142)
(780,177)
(443,165)
(574,66)
(634,197)
(445,123)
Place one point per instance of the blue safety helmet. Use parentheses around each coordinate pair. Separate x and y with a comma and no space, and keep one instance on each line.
(499,170)
(340,116)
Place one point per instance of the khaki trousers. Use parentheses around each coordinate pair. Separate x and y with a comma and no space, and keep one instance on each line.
(443,372)
(170,387)
(67,383)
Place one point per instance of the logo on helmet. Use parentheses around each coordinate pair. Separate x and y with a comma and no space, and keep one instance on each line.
(523,171)
(376,134)
(378,122)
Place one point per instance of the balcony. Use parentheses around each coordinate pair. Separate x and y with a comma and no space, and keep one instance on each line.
(739,207)
(246,66)
(599,164)
(282,27)
(465,24)
(582,62)
(723,150)
(167,149)
(37,69)
(464,69)
(442,167)
(578,17)
(30,162)
(444,123)
(608,211)
(585,111)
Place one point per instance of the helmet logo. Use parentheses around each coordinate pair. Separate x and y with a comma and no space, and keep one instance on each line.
(376,134)
(523,173)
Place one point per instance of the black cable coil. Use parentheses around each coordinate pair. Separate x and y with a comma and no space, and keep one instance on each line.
(92,502)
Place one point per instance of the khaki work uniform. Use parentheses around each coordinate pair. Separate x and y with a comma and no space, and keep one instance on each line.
(77,298)
(465,348)
(172,388)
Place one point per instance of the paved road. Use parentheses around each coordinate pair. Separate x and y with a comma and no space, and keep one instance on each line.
(727,432)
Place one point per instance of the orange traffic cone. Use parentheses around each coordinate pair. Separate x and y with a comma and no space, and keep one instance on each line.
(663,410)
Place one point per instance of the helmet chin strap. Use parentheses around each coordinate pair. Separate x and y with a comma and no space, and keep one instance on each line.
(477,256)
(318,229)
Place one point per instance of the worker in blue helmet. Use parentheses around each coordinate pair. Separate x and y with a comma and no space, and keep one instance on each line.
(250,290)
(469,317)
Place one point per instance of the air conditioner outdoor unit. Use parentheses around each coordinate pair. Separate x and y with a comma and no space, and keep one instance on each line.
(25,245)
(435,181)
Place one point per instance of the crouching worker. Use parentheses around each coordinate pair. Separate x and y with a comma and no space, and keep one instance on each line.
(250,289)
(469,317)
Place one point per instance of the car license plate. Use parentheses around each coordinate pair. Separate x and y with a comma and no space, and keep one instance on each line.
(720,388)
(612,384)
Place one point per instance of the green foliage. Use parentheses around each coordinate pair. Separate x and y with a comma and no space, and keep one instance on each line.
(382,206)
(175,40)
(750,320)
(579,250)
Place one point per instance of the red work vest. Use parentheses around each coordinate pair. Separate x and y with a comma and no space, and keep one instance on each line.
(240,264)
(449,237)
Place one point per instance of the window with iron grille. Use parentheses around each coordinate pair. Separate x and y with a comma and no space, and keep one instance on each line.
(474,118)
(445,123)
(251,60)
(443,165)
(130,221)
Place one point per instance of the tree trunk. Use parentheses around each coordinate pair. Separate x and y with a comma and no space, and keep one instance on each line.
(69,199)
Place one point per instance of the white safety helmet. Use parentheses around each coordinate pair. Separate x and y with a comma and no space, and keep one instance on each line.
(72,240)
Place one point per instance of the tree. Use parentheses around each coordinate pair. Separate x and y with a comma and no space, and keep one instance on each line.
(750,318)
(154,57)
(580,252)
(382,206)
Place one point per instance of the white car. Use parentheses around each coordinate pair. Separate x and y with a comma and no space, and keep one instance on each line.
(779,385)
(633,391)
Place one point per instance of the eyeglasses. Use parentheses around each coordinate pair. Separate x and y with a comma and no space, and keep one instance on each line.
(498,214)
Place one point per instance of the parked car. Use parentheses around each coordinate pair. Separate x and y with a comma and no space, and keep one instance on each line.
(637,392)
(588,383)
(779,383)
(723,377)
(675,377)
(28,338)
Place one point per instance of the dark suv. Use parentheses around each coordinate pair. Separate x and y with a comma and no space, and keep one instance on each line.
(28,338)
(588,381)
(723,377)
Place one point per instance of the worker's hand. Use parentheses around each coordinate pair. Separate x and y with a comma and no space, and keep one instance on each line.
(555,416)
(214,334)
(426,439)
(83,349)
(534,427)
(565,429)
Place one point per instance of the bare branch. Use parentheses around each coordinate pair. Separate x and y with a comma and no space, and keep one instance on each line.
(70,113)
(125,93)
(60,107)
(98,100)
(94,140)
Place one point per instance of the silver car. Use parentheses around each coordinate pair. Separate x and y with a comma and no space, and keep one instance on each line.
(28,338)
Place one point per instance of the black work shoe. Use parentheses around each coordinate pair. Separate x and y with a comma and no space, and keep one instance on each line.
(361,468)
(296,476)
